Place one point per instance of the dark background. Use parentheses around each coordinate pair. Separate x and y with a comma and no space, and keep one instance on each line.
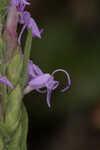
(71,41)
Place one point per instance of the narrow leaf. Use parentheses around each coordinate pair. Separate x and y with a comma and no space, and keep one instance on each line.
(27,51)
(24,128)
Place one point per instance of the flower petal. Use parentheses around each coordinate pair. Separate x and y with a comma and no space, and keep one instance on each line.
(25,2)
(20,35)
(35,30)
(40,81)
(48,98)
(5,81)
(68,77)
(24,17)
(19,3)
(34,70)
(37,70)
(30,69)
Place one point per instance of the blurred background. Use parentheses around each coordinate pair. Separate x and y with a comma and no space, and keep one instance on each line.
(71,41)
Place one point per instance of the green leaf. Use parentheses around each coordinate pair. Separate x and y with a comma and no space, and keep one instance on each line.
(3,51)
(4,131)
(27,51)
(13,109)
(14,143)
(14,69)
(24,128)
(3,6)
(3,10)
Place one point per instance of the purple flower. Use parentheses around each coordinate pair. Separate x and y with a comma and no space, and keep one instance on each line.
(19,4)
(25,18)
(5,81)
(28,22)
(38,80)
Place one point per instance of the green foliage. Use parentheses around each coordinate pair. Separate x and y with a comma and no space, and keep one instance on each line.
(4,130)
(14,68)
(1,144)
(26,57)
(24,128)
(13,109)
(3,6)
(3,10)
(2,54)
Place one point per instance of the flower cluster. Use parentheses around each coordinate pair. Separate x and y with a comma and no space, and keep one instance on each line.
(25,19)
(36,78)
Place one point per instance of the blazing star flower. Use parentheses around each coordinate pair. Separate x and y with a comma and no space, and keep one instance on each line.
(19,4)
(28,22)
(38,80)
(5,81)
(25,18)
